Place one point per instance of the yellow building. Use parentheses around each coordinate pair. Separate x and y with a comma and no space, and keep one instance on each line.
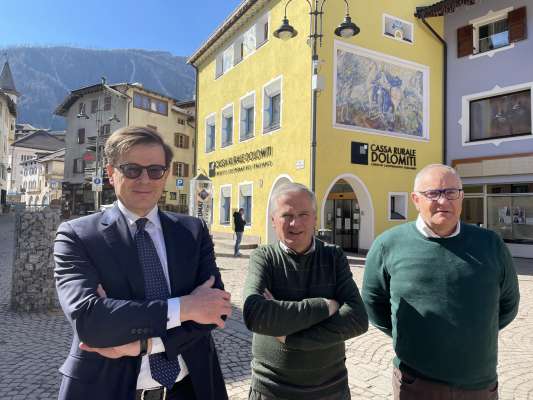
(378,114)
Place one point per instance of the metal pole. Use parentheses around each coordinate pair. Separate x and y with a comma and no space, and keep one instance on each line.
(314,35)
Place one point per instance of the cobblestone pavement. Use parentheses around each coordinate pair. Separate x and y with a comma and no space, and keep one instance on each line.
(32,346)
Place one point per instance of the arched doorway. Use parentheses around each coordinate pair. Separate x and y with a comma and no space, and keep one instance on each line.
(270,231)
(348,214)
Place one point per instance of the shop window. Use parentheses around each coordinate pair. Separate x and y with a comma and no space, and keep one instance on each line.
(397,206)
(496,30)
(245,201)
(473,189)
(272,106)
(247,115)
(227,126)
(210,133)
(225,204)
(511,217)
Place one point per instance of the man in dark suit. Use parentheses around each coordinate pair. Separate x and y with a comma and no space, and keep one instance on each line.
(140,288)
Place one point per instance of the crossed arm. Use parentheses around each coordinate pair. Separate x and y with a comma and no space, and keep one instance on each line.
(310,323)
(114,327)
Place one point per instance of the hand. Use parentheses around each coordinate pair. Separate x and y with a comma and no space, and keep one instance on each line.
(267,295)
(333,306)
(206,305)
(101,292)
(132,349)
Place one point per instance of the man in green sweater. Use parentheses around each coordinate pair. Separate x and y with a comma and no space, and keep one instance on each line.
(442,289)
(302,304)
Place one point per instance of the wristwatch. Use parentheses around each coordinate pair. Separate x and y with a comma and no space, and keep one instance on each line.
(144,347)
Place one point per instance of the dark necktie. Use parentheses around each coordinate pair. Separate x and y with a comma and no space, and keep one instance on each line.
(163,370)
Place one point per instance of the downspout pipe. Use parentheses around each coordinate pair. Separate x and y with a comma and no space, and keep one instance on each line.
(444,89)
(195,160)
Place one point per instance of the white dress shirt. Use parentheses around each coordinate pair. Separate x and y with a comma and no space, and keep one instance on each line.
(154,229)
(428,232)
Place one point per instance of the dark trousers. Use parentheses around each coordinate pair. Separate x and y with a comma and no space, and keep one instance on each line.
(182,390)
(238,239)
(409,387)
(255,395)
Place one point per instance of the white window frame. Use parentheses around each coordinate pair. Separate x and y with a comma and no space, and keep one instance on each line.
(405,208)
(220,205)
(251,184)
(410,24)
(242,102)
(260,40)
(496,91)
(224,113)
(491,16)
(210,120)
(270,89)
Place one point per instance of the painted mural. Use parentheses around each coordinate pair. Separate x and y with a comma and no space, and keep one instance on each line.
(380,94)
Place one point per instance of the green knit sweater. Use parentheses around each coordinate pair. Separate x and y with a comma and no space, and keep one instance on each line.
(443,301)
(310,364)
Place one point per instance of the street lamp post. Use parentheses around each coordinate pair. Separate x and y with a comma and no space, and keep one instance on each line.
(98,170)
(345,29)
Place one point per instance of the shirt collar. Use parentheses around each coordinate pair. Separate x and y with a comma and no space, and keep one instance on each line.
(288,250)
(131,217)
(428,232)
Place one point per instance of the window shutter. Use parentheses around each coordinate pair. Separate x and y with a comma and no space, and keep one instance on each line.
(175,169)
(517,25)
(177,139)
(465,41)
(185,170)
(185,141)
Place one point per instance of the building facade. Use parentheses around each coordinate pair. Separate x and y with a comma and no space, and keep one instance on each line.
(93,113)
(489,137)
(378,115)
(8,115)
(41,179)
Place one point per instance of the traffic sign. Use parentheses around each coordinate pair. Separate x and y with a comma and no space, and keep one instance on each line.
(97,183)
(180,183)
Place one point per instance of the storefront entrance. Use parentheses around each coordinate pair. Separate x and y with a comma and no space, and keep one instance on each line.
(342,217)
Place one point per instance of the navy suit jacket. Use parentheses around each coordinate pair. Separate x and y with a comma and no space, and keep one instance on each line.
(98,249)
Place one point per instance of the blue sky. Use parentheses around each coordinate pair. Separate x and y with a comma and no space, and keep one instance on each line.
(177,26)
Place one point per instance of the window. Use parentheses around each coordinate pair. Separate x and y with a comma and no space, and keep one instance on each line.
(107,103)
(81,136)
(180,169)
(181,121)
(262,30)
(183,199)
(81,107)
(79,165)
(272,106)
(501,116)
(172,195)
(181,141)
(494,31)
(94,106)
(148,103)
(105,129)
(247,115)
(245,201)
(227,126)
(397,206)
(210,133)
(225,204)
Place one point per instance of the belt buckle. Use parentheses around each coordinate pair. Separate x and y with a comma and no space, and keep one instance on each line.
(164,393)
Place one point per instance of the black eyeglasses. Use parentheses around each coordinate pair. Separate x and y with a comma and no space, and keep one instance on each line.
(133,171)
(435,194)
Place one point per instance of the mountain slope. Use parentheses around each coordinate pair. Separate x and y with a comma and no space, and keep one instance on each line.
(45,75)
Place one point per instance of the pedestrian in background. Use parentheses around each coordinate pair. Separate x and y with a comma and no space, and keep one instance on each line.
(238,225)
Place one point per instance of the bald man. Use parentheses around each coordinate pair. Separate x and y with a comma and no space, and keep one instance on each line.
(442,289)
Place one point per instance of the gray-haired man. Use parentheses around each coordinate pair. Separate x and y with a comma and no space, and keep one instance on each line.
(302,304)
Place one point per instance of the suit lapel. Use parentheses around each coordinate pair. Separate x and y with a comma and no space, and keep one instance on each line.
(121,246)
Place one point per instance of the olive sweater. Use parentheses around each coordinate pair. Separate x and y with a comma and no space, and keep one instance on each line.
(443,301)
(310,364)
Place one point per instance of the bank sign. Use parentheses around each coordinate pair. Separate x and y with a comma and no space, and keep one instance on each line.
(381,155)
(249,161)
